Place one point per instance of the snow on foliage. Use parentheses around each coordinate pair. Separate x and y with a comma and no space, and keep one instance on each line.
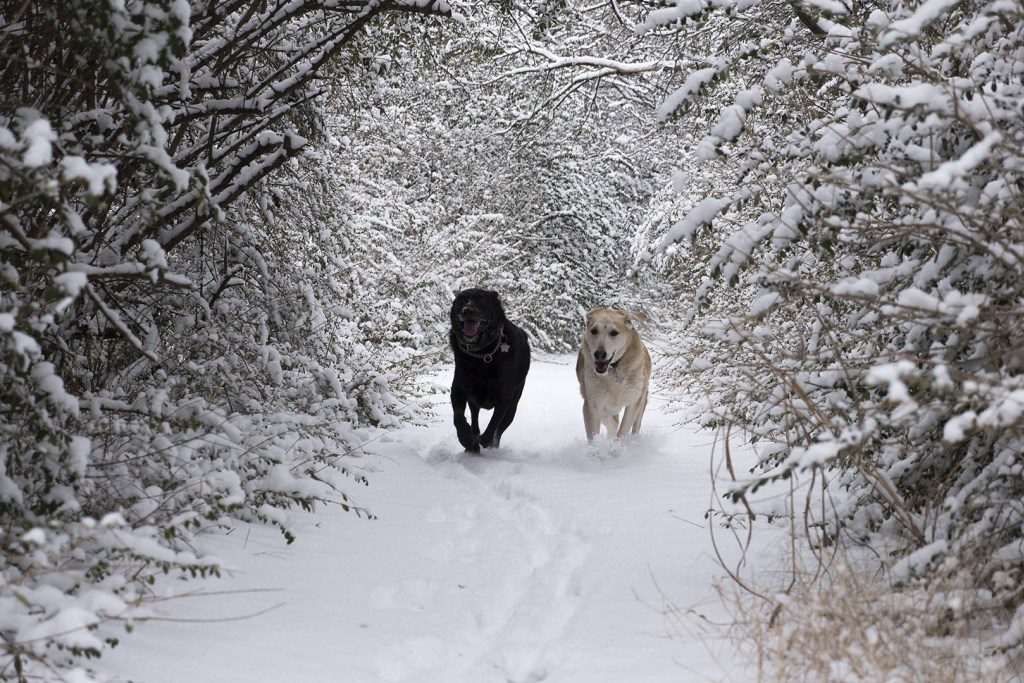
(170,361)
(857,305)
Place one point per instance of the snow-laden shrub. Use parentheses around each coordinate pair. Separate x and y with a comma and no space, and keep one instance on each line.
(845,622)
(853,241)
(170,362)
(567,179)
(441,185)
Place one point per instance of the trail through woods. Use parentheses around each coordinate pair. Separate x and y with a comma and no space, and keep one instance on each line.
(546,560)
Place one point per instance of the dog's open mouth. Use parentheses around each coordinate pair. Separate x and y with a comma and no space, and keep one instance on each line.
(470,328)
(602,365)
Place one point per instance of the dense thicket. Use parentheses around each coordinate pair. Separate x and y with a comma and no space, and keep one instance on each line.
(467,176)
(850,246)
(169,360)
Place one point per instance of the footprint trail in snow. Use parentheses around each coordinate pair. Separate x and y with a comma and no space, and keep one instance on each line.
(546,560)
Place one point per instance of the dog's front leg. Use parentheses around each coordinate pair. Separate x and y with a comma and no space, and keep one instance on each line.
(628,418)
(611,424)
(591,421)
(491,435)
(487,438)
(474,415)
(467,438)
(640,412)
(498,426)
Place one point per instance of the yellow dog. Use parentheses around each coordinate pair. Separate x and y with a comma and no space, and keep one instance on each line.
(614,370)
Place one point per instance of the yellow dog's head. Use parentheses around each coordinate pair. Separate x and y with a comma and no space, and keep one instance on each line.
(607,334)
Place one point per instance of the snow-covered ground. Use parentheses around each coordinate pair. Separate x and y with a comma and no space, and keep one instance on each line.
(545,560)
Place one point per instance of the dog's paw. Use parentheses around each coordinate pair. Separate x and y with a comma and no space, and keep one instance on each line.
(470,443)
(469,440)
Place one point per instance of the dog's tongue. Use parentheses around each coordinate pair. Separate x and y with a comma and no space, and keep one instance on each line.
(602,366)
(470,327)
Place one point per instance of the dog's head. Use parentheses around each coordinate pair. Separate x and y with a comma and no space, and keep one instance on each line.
(477,317)
(607,333)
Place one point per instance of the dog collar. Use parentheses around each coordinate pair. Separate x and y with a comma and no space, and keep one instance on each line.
(502,345)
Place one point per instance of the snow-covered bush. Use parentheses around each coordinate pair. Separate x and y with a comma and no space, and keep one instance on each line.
(170,360)
(853,238)
(575,177)
(848,624)
(447,182)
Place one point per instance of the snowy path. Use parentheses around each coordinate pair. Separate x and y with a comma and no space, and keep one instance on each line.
(543,561)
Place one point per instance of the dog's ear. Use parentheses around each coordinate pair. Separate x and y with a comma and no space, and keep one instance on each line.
(637,316)
(491,294)
(632,317)
(594,311)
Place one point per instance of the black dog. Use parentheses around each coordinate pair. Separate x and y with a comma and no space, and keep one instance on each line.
(492,357)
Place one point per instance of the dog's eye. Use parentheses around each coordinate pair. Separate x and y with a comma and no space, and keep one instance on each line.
(614,333)
(593,330)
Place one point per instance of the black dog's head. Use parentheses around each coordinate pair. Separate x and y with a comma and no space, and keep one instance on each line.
(477,318)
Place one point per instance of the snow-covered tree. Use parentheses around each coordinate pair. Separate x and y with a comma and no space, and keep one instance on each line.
(167,362)
(849,237)
(452,178)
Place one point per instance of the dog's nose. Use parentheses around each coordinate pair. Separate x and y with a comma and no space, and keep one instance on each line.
(600,354)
